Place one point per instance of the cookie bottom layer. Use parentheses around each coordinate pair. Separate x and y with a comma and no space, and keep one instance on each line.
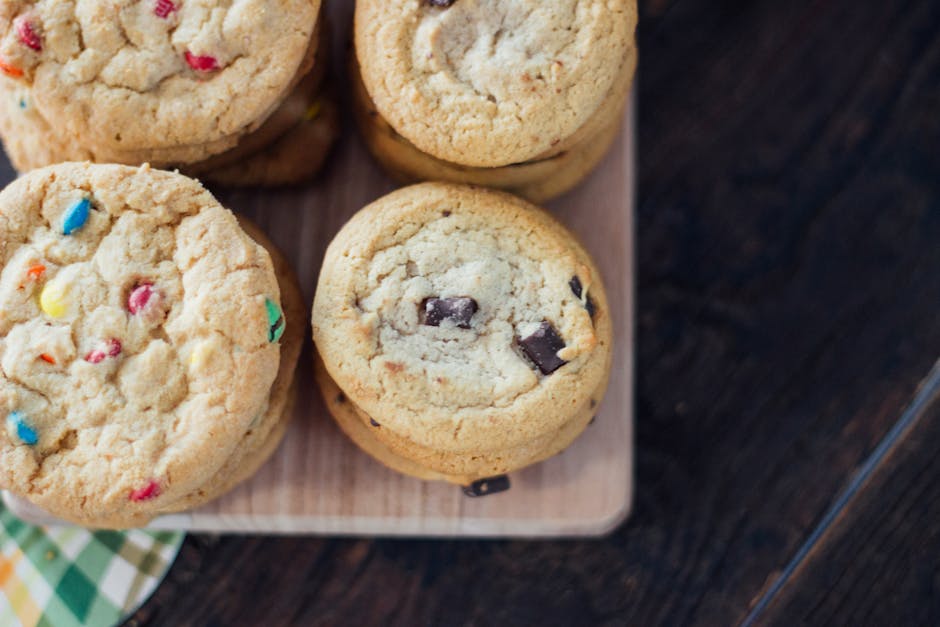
(538,180)
(297,156)
(363,431)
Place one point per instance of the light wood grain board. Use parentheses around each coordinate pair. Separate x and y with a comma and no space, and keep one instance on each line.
(319,482)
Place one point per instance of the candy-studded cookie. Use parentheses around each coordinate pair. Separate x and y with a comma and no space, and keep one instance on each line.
(169,81)
(465,329)
(140,332)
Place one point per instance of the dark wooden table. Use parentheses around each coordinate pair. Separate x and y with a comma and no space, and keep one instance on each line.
(788,420)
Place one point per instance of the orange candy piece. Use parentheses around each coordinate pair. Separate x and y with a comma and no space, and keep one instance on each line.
(36,272)
(10,70)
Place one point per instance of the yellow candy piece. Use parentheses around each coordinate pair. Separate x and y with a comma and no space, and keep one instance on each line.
(200,354)
(313,111)
(54,299)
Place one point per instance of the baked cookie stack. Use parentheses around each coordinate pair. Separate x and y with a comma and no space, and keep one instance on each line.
(228,91)
(463,333)
(521,96)
(148,344)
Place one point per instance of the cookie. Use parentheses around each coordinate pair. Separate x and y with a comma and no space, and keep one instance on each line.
(178,80)
(490,83)
(140,334)
(537,181)
(469,328)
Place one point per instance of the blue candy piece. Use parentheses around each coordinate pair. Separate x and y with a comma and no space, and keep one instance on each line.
(17,422)
(76,216)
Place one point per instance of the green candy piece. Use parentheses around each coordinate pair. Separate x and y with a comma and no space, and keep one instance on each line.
(276,322)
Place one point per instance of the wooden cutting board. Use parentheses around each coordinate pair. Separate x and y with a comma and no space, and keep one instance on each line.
(319,482)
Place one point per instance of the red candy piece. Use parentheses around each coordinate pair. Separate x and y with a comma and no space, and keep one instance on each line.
(111,348)
(164,8)
(149,491)
(140,297)
(201,64)
(49,359)
(27,35)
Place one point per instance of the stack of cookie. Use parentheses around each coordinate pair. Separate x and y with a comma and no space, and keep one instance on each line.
(463,333)
(148,343)
(229,92)
(521,96)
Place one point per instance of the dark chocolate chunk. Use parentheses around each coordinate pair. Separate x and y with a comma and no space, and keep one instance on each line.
(340,398)
(441,3)
(446,214)
(542,348)
(457,310)
(578,289)
(374,423)
(483,487)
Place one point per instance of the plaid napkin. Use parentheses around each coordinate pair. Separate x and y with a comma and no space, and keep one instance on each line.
(62,576)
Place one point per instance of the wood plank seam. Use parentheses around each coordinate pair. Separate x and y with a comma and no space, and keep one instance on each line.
(928,390)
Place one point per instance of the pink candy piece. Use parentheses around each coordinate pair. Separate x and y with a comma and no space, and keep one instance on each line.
(27,35)
(164,8)
(140,297)
(149,491)
(201,64)
(111,348)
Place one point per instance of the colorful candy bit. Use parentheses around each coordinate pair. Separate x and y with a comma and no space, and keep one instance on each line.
(49,359)
(276,322)
(16,422)
(201,63)
(200,354)
(110,348)
(27,34)
(76,216)
(53,300)
(163,8)
(10,70)
(313,111)
(34,274)
(140,297)
(150,491)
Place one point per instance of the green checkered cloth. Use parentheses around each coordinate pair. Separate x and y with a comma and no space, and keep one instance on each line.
(62,576)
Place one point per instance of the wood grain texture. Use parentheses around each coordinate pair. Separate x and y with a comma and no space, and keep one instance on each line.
(788,220)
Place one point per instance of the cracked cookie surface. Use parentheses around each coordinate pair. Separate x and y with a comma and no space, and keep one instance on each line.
(394,323)
(137,340)
(488,83)
(128,75)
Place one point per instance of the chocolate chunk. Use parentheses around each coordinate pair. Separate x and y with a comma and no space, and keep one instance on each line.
(446,214)
(340,398)
(483,487)
(542,348)
(441,3)
(374,423)
(457,310)
(578,289)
